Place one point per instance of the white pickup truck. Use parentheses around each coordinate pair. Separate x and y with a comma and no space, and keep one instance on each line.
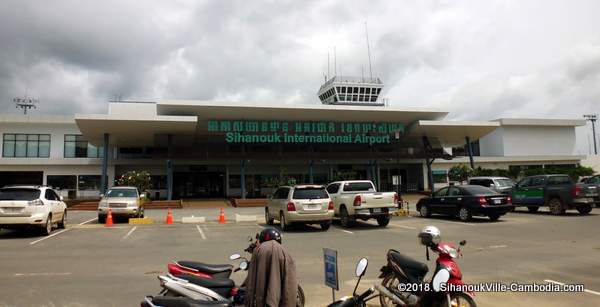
(358,199)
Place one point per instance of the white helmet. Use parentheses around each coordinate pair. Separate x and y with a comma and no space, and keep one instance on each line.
(430,236)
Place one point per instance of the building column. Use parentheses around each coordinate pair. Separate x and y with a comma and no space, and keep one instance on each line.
(330,173)
(104,176)
(243,179)
(310,171)
(377,175)
(169,167)
(470,152)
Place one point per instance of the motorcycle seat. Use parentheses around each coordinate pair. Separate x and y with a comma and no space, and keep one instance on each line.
(415,270)
(206,268)
(166,301)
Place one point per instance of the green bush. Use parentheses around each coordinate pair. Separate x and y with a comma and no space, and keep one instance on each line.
(460,173)
(573,172)
(141,180)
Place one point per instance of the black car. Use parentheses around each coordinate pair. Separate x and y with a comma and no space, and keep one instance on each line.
(466,201)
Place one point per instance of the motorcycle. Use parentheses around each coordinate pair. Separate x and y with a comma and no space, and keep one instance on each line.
(356,300)
(403,283)
(217,289)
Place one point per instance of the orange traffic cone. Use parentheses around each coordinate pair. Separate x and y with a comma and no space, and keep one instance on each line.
(169,217)
(222,217)
(109,219)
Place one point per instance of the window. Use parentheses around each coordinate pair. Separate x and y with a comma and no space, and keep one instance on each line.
(122,193)
(359,187)
(89,182)
(62,182)
(559,180)
(453,191)
(333,188)
(440,176)
(19,194)
(310,193)
(76,146)
(282,193)
(524,183)
(26,145)
(441,192)
(538,181)
(50,195)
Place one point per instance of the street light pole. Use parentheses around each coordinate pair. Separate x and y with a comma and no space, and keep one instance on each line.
(592,118)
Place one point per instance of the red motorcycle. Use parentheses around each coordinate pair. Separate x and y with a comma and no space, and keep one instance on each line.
(403,278)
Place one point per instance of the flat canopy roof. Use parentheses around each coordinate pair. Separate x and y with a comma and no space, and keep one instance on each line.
(132,130)
(452,133)
(541,122)
(207,110)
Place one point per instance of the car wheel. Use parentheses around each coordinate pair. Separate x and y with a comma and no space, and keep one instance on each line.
(47,228)
(533,209)
(345,218)
(101,219)
(556,206)
(63,221)
(325,226)
(383,221)
(268,218)
(424,211)
(464,214)
(494,217)
(282,223)
(584,209)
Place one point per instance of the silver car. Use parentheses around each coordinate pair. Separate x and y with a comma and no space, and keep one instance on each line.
(122,201)
(302,204)
(499,184)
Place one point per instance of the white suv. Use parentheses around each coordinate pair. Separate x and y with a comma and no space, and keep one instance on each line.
(30,205)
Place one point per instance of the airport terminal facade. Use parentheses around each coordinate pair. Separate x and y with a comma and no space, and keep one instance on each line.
(208,149)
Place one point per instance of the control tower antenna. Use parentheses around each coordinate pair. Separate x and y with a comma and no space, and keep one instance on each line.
(368,51)
(25,103)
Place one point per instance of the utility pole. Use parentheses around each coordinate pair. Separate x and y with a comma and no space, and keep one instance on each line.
(592,118)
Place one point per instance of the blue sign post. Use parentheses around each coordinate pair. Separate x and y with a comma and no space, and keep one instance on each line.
(331,271)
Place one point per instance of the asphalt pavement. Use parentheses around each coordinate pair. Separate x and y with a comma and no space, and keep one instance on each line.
(91,265)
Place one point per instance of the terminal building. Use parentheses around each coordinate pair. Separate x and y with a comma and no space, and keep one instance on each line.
(210,149)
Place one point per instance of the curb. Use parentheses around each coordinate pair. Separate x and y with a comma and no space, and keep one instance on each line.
(245,218)
(141,221)
(193,220)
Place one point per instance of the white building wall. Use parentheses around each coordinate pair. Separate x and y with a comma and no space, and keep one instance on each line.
(538,141)
(132,108)
(492,145)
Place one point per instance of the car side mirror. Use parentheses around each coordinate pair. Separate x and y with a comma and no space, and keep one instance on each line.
(61,198)
(101,194)
(270,196)
(142,195)
(492,186)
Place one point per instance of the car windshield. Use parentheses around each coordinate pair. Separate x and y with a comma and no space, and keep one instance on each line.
(505,182)
(365,186)
(121,193)
(478,190)
(310,193)
(19,194)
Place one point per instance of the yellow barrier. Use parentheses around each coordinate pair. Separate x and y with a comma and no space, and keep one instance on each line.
(141,221)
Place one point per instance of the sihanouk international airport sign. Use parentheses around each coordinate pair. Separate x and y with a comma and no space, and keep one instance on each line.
(247,131)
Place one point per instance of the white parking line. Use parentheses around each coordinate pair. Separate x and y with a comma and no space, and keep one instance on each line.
(201,232)
(50,236)
(347,231)
(562,284)
(57,233)
(403,226)
(40,274)
(88,221)
(129,233)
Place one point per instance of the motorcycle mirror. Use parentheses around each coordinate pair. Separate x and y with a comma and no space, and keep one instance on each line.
(361,267)
(235,256)
(249,238)
(463,242)
(244,265)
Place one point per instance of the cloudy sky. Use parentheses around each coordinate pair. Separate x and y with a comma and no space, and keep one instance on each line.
(477,59)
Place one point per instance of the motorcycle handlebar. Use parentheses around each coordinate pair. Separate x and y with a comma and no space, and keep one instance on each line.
(366,294)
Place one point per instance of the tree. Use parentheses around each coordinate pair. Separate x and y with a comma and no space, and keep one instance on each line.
(141,180)
(459,173)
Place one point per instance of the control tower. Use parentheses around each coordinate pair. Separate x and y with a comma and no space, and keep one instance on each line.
(356,91)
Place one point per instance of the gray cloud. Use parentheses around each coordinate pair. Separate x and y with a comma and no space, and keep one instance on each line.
(479,60)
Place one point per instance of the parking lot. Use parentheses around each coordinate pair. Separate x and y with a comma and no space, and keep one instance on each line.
(88,264)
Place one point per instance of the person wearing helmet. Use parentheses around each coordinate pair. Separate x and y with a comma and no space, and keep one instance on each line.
(271,277)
